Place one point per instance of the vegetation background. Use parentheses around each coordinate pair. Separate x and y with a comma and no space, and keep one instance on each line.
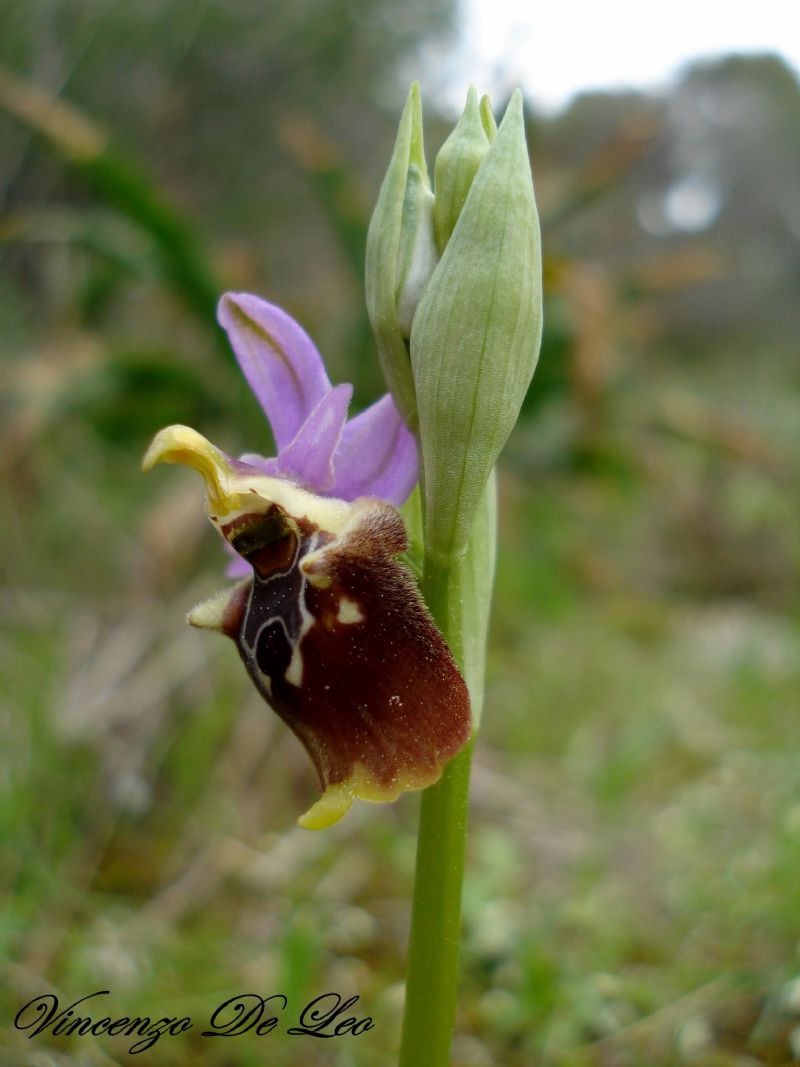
(634,859)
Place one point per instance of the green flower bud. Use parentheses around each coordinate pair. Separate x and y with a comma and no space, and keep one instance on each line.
(456,165)
(417,256)
(475,337)
(487,117)
(400,254)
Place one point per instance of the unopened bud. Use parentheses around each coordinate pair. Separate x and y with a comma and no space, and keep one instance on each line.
(487,117)
(456,165)
(417,257)
(397,253)
(475,337)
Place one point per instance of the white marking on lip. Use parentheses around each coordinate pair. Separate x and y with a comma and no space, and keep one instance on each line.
(349,612)
(294,672)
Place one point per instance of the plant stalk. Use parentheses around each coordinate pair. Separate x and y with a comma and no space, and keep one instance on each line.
(433,951)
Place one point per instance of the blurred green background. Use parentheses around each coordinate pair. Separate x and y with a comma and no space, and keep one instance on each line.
(634,859)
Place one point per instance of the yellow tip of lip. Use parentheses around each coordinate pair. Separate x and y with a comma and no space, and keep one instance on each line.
(182,444)
(334,803)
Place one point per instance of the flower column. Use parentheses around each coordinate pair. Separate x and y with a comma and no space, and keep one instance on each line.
(459,339)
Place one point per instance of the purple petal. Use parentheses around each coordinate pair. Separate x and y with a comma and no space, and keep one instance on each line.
(377,456)
(278,359)
(237,567)
(266,466)
(309,457)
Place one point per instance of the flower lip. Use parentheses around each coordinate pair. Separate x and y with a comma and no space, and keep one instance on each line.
(328,626)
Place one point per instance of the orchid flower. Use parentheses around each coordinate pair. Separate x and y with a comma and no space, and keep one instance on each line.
(330,626)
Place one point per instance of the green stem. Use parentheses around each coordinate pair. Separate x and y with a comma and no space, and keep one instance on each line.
(432,973)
